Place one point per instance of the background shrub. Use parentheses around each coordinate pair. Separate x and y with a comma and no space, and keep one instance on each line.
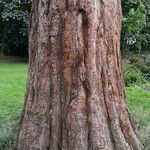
(132,75)
(14,22)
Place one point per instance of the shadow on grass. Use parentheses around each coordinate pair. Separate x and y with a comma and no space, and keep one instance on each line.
(8,131)
(13,59)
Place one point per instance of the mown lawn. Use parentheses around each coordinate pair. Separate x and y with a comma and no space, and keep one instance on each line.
(13,76)
(139,103)
(138,98)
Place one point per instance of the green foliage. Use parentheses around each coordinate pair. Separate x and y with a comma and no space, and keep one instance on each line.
(144,68)
(132,75)
(137,70)
(135,20)
(142,63)
(15,16)
(133,24)
(14,22)
(13,10)
(136,25)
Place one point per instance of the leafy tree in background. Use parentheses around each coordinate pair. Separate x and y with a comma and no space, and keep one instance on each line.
(136,25)
(14,26)
(14,16)
(146,29)
(132,27)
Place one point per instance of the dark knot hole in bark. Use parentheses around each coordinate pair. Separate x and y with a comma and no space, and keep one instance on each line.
(84,17)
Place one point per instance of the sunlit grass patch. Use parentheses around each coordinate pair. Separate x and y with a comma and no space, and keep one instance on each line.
(13,75)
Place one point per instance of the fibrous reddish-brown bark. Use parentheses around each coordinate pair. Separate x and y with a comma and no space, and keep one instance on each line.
(75,97)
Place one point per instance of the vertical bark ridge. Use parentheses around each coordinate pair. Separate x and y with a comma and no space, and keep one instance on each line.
(77,106)
(56,12)
(109,105)
(98,129)
(32,54)
(120,97)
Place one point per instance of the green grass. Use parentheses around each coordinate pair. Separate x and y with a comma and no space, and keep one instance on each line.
(13,75)
(138,98)
(139,105)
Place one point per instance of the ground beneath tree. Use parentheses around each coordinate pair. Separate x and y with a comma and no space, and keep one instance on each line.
(13,74)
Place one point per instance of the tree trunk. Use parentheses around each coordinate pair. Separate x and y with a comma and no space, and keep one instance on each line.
(75,97)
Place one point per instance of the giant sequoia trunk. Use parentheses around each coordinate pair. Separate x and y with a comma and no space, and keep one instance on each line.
(75,97)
